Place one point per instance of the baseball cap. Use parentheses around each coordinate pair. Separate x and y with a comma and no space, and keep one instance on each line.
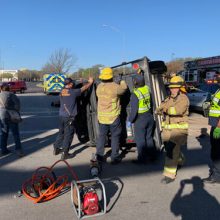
(68,81)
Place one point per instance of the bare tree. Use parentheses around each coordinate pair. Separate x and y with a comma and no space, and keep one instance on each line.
(60,61)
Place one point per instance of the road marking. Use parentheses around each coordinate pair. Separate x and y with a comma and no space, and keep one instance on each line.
(40,131)
(45,133)
(41,112)
(39,116)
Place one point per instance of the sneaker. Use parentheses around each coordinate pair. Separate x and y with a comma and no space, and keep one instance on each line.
(100,158)
(56,151)
(210,180)
(167,180)
(19,152)
(117,160)
(6,152)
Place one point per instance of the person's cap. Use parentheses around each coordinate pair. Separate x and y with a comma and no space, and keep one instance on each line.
(68,81)
(138,80)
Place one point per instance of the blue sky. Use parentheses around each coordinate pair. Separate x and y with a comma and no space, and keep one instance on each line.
(31,30)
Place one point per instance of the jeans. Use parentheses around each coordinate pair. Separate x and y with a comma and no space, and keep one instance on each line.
(65,134)
(115,129)
(143,131)
(7,125)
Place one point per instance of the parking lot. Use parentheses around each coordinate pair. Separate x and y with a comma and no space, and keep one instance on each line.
(133,191)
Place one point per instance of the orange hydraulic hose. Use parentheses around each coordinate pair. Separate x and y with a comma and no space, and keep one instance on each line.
(47,185)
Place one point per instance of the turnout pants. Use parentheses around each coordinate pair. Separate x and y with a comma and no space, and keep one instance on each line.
(173,140)
(215,155)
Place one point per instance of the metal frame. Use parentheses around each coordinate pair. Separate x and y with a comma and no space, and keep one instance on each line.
(78,209)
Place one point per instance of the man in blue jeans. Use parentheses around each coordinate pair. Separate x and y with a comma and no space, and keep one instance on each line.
(67,113)
(9,101)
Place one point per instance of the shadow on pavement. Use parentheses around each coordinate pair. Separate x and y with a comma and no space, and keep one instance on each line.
(29,148)
(199,204)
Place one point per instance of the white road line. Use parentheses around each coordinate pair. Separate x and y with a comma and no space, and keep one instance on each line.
(39,116)
(39,131)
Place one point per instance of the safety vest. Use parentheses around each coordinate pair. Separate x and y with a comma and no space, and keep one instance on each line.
(143,95)
(214,110)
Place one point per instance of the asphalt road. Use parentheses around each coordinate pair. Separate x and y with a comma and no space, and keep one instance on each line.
(133,192)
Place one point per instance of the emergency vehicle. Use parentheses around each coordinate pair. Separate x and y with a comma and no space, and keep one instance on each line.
(53,83)
(201,70)
(87,122)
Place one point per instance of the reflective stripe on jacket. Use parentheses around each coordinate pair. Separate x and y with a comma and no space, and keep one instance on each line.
(175,126)
(176,110)
(214,110)
(143,95)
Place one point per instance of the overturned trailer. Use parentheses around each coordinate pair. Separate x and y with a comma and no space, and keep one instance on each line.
(87,123)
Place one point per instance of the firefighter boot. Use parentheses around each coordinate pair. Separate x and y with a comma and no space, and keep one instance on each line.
(167,180)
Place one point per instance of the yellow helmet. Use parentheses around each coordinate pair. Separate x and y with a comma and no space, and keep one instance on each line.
(176,82)
(106,74)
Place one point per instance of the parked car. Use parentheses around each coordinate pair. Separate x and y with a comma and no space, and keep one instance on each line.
(211,88)
(17,86)
(197,98)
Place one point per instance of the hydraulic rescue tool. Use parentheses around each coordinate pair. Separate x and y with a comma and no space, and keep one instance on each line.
(45,185)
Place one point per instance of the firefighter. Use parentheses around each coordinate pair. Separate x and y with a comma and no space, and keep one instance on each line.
(175,110)
(108,93)
(143,120)
(67,113)
(214,121)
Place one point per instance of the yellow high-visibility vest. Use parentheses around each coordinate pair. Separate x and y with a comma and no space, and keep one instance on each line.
(214,110)
(143,95)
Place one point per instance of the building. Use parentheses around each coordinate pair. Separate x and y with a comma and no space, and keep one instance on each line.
(13,72)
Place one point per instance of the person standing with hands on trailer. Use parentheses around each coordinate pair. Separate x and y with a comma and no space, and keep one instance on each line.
(143,121)
(109,109)
(67,113)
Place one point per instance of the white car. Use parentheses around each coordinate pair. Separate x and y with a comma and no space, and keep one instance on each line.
(197,98)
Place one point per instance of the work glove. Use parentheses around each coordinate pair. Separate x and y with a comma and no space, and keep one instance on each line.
(216,133)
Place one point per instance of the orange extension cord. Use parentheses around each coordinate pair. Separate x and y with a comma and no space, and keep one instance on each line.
(46,186)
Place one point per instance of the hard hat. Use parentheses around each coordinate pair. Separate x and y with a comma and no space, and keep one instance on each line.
(176,82)
(138,81)
(106,74)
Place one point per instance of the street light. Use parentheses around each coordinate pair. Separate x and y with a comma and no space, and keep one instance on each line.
(123,40)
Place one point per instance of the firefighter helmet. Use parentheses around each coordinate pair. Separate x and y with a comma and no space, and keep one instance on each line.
(106,74)
(176,82)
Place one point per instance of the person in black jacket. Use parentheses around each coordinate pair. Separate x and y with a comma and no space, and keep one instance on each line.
(9,101)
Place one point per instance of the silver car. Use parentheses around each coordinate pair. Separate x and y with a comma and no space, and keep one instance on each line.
(197,98)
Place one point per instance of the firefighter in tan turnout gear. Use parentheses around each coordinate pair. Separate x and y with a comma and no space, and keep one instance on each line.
(175,110)
(109,109)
